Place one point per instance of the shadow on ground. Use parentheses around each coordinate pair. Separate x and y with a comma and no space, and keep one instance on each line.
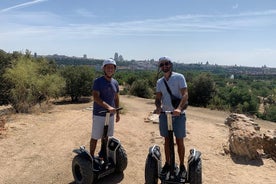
(110,179)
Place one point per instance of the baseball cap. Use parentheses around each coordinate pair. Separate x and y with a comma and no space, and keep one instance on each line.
(165,58)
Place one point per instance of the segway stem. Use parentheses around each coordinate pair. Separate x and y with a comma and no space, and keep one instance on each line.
(171,141)
(153,169)
(105,137)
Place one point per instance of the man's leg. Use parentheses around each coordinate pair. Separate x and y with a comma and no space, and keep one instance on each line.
(97,131)
(167,150)
(181,150)
(181,154)
(167,165)
(93,144)
(164,133)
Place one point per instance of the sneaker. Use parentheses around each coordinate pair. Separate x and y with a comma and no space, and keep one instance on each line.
(165,170)
(182,172)
(101,155)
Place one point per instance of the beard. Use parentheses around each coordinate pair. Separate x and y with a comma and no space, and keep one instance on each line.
(166,69)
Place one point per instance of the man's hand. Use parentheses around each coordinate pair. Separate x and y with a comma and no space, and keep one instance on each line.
(176,112)
(117,117)
(158,110)
(112,110)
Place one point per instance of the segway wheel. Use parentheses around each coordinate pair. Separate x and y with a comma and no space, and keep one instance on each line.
(151,170)
(121,159)
(82,170)
(195,172)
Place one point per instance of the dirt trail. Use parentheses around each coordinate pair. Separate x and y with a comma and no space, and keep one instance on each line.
(38,148)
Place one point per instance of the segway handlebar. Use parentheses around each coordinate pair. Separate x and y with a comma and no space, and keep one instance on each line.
(117,109)
(166,112)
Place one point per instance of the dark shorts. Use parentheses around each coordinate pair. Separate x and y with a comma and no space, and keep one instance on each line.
(179,125)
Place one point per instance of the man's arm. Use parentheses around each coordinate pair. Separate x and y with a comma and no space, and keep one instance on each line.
(117,103)
(158,102)
(184,99)
(98,100)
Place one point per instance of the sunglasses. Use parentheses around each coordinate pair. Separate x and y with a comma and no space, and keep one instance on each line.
(164,64)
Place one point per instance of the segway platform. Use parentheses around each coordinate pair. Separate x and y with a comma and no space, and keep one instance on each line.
(153,169)
(112,158)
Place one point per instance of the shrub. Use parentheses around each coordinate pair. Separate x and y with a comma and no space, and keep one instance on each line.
(29,85)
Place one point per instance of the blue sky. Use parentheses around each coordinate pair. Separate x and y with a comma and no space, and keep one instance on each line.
(224,32)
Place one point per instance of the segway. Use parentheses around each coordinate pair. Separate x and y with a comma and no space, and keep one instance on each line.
(153,164)
(112,158)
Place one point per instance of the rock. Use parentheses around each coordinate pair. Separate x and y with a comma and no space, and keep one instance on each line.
(2,122)
(269,143)
(245,138)
(152,117)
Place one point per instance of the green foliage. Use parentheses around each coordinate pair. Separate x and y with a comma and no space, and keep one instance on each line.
(141,88)
(236,97)
(79,81)
(132,86)
(209,85)
(261,88)
(127,77)
(201,90)
(5,86)
(29,85)
(270,113)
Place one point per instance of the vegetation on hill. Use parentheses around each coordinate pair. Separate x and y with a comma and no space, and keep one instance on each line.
(27,80)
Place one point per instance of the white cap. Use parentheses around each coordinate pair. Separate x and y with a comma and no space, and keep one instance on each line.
(109,61)
(165,58)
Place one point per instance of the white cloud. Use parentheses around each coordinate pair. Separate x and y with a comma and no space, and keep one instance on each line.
(22,5)
(173,26)
(84,13)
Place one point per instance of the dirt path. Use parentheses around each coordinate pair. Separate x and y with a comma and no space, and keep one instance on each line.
(38,148)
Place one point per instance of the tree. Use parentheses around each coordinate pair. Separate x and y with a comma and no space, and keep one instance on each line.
(79,80)
(141,88)
(30,85)
(270,113)
(5,86)
(201,90)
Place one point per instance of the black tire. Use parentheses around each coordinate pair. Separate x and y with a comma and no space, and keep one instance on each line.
(195,172)
(121,160)
(82,170)
(151,170)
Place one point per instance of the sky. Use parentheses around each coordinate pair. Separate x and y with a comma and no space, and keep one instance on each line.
(222,32)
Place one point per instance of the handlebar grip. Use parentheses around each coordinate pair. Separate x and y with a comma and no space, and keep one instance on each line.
(117,109)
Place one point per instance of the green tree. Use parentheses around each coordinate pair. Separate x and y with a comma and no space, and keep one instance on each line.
(29,85)
(270,113)
(79,80)
(201,90)
(242,100)
(5,86)
(141,88)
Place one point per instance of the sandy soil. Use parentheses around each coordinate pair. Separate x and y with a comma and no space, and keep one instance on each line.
(37,148)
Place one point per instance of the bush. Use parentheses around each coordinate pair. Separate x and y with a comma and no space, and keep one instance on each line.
(29,85)
(79,80)
(201,90)
(270,113)
(141,88)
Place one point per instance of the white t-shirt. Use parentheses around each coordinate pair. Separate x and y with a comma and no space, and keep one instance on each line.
(176,82)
